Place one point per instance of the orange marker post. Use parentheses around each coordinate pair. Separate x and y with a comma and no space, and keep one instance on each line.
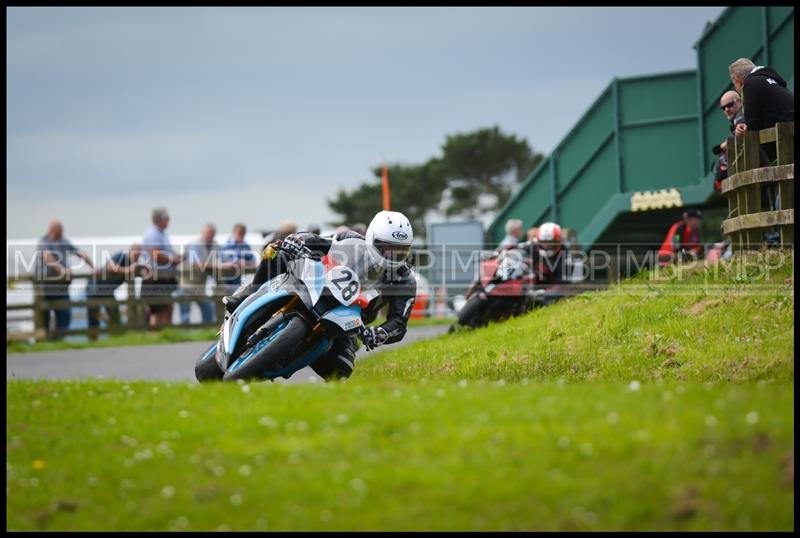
(385,183)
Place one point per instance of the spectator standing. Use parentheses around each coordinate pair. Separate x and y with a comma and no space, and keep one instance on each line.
(52,272)
(162,261)
(765,98)
(201,258)
(121,267)
(682,240)
(513,234)
(236,255)
(731,105)
(766,101)
(359,228)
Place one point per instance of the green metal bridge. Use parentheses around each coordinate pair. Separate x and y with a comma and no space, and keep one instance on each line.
(642,152)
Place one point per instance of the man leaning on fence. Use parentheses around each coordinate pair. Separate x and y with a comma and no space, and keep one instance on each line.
(766,101)
(162,261)
(236,256)
(201,258)
(731,105)
(52,272)
(120,267)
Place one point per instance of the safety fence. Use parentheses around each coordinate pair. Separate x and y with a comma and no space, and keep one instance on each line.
(750,187)
(133,307)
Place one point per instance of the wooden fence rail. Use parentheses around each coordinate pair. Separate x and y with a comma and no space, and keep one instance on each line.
(745,187)
(133,305)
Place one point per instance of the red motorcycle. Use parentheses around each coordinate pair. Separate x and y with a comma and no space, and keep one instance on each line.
(505,288)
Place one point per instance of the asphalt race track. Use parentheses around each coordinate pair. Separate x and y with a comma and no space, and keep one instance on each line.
(168,362)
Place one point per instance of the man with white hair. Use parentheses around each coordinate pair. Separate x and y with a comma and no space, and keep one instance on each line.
(766,101)
(765,97)
(513,234)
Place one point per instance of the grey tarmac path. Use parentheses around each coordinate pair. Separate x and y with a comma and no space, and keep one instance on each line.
(167,362)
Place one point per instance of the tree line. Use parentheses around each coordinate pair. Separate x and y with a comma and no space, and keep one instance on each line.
(476,173)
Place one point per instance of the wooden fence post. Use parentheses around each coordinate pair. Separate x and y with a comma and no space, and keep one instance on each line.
(784,142)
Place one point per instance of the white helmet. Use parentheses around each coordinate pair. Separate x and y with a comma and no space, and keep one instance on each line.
(389,237)
(549,238)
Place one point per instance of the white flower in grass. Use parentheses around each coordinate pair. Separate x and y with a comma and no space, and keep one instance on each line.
(612,417)
(180,523)
(711,421)
(463,383)
(167,492)
(245,470)
(666,396)
(183,413)
(36,403)
(92,481)
(563,443)
(752,417)
(219,470)
(237,499)
(440,393)
(245,388)
(301,426)
(634,385)
(268,422)
(341,418)
(358,485)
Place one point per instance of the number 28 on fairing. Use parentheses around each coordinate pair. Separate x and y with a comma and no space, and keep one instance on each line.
(344,284)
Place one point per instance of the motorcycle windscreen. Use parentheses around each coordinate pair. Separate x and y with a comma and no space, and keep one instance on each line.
(352,253)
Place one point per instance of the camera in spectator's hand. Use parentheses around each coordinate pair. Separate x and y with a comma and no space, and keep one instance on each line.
(716,150)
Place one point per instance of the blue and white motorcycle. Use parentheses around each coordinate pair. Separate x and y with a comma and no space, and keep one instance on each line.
(292,319)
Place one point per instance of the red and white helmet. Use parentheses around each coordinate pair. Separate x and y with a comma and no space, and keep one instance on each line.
(389,237)
(549,238)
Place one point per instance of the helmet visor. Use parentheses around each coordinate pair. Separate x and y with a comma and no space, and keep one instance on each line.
(392,251)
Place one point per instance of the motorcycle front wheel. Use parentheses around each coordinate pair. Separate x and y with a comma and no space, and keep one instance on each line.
(206,367)
(271,355)
(472,312)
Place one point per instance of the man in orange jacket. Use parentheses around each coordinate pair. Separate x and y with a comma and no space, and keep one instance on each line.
(683,239)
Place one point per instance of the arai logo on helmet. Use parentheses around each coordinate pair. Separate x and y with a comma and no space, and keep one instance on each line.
(399,235)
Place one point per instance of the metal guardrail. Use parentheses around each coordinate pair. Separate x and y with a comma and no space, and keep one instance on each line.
(744,186)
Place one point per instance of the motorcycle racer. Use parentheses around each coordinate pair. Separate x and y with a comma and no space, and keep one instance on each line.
(388,240)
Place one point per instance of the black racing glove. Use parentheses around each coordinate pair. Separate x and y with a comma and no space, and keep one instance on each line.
(295,247)
(374,337)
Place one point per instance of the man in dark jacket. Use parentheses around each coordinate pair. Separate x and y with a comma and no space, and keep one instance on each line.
(765,98)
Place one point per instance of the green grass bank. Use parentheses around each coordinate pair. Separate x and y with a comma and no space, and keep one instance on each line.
(665,403)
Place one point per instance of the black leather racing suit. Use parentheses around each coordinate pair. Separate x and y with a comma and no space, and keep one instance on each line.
(397,289)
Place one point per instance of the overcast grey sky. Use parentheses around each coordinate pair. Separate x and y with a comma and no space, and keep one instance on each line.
(258,114)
